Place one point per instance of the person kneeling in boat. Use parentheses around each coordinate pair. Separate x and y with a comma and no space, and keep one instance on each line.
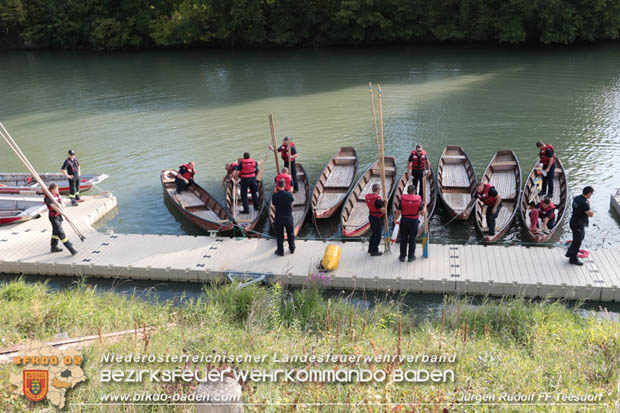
(230,172)
(376,209)
(248,168)
(185,176)
(489,196)
(283,203)
(55,217)
(534,218)
(284,176)
(411,207)
(547,213)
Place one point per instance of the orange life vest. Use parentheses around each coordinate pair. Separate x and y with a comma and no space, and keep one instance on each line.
(370,202)
(284,150)
(418,162)
(186,171)
(52,211)
(544,209)
(248,168)
(484,196)
(410,205)
(544,159)
(287,181)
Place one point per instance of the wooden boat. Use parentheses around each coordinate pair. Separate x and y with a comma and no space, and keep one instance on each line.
(504,173)
(560,199)
(196,204)
(247,222)
(354,215)
(15,210)
(431,197)
(24,183)
(334,183)
(456,181)
(301,204)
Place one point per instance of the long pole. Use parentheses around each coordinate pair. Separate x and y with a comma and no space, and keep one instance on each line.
(374,116)
(426,238)
(273,143)
(382,159)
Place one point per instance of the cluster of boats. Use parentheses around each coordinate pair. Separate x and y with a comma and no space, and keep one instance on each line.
(454,183)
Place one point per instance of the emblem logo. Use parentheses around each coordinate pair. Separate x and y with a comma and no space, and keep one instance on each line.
(36,384)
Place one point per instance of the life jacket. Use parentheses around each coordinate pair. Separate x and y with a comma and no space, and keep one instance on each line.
(284,150)
(418,162)
(52,211)
(484,196)
(410,205)
(231,167)
(544,159)
(186,171)
(248,168)
(545,209)
(287,181)
(370,201)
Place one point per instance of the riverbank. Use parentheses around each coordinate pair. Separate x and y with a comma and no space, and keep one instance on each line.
(511,346)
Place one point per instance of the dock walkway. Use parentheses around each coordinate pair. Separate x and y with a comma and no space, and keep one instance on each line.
(452,269)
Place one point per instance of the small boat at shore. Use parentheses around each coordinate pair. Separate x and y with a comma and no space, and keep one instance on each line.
(301,203)
(15,210)
(504,173)
(560,199)
(24,183)
(334,183)
(196,204)
(354,215)
(246,222)
(430,195)
(456,181)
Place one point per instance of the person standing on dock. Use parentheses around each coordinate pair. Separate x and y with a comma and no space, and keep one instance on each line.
(489,196)
(71,170)
(55,217)
(411,207)
(284,153)
(284,175)
(185,176)
(578,223)
(417,166)
(547,159)
(248,168)
(547,213)
(376,209)
(283,203)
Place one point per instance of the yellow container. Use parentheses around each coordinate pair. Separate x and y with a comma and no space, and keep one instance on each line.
(331,257)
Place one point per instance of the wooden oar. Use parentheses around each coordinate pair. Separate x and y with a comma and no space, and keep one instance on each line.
(234,203)
(425,236)
(273,143)
(382,159)
(374,116)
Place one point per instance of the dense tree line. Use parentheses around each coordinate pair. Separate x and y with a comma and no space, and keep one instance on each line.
(120,24)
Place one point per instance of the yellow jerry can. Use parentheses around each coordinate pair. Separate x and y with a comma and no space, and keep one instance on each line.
(331,257)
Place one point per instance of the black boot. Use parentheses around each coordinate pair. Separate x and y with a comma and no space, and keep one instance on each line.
(56,249)
(72,250)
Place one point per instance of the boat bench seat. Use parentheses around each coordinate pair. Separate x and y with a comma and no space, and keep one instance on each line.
(345,158)
(507,163)
(188,199)
(461,157)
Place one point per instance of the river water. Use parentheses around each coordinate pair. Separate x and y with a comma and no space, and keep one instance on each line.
(132,114)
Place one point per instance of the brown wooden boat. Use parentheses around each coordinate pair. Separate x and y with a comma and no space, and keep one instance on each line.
(456,181)
(560,199)
(196,204)
(354,215)
(246,222)
(301,203)
(334,183)
(504,173)
(431,197)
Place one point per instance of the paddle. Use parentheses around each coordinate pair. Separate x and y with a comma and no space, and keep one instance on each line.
(273,143)
(234,203)
(382,159)
(425,235)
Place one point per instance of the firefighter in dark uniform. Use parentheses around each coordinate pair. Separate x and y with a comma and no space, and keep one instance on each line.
(547,159)
(185,176)
(418,166)
(248,169)
(283,149)
(411,207)
(493,201)
(283,203)
(71,170)
(376,209)
(578,223)
(546,210)
(58,234)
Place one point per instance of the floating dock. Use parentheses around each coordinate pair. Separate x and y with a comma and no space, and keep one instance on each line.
(451,269)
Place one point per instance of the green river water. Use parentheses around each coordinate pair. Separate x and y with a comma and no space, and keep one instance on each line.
(132,114)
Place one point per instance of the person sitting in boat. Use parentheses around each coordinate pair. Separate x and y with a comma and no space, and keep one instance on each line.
(534,218)
(489,196)
(185,176)
(418,166)
(286,177)
(547,209)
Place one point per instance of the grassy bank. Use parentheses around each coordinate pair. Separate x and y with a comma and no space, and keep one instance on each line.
(512,346)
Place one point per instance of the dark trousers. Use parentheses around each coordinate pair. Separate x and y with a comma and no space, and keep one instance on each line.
(579,233)
(293,172)
(182,186)
(408,234)
(547,182)
(58,234)
(245,184)
(281,223)
(550,223)
(416,179)
(491,217)
(376,227)
(74,187)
